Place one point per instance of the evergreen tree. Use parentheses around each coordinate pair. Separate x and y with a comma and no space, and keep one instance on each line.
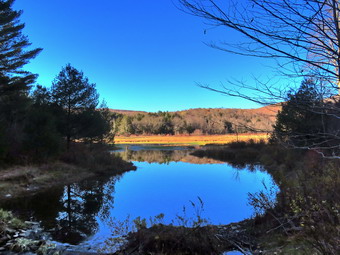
(73,92)
(12,44)
(14,81)
(299,123)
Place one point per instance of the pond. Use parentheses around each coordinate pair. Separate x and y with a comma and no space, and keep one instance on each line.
(167,181)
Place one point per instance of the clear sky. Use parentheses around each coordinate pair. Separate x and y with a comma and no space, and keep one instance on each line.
(143,55)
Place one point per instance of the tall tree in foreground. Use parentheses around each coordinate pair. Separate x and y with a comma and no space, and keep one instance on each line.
(78,98)
(12,44)
(14,81)
(302,36)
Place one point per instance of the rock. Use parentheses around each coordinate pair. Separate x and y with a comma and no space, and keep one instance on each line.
(8,244)
(31,223)
(10,231)
(23,233)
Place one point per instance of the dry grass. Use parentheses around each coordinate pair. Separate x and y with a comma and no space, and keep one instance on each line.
(190,140)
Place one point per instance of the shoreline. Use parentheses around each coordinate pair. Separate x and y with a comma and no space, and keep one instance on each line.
(16,182)
(21,181)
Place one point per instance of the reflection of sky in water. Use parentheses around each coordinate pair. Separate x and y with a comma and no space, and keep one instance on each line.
(155,188)
(83,209)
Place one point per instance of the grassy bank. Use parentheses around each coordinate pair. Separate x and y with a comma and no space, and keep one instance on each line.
(80,162)
(190,139)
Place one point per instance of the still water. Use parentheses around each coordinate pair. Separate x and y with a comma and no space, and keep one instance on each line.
(170,181)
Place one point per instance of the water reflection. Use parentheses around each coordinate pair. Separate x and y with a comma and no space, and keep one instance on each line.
(166,180)
(69,213)
(163,155)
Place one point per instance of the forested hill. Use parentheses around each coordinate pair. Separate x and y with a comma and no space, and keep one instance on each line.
(195,121)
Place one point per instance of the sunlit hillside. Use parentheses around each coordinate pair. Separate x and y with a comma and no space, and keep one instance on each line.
(210,121)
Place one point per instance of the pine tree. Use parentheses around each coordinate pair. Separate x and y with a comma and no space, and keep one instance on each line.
(299,122)
(12,44)
(73,93)
(14,81)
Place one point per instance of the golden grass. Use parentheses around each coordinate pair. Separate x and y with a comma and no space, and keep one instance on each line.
(190,139)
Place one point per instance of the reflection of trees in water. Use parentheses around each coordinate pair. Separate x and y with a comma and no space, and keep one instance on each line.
(166,156)
(81,204)
(214,155)
(238,160)
(154,156)
(69,212)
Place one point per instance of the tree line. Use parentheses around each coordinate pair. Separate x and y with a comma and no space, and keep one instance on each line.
(38,123)
(195,121)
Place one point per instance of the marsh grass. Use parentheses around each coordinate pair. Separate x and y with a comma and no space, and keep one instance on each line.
(190,139)
(186,234)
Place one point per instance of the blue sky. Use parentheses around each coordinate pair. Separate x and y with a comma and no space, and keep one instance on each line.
(143,55)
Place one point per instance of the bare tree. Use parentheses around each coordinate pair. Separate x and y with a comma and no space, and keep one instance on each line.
(303,36)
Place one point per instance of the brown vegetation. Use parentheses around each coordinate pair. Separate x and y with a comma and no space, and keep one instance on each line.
(190,139)
(179,240)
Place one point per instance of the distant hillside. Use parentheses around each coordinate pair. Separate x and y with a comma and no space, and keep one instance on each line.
(196,121)
(127,112)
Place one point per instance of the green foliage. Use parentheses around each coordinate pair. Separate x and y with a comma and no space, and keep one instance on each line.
(125,125)
(42,139)
(13,42)
(71,90)
(77,98)
(92,125)
(33,126)
(8,220)
(41,96)
(14,82)
(299,122)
